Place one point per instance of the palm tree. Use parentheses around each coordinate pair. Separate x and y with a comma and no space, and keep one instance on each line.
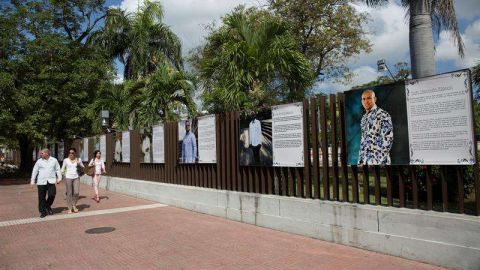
(251,60)
(476,75)
(121,101)
(427,16)
(141,41)
(165,93)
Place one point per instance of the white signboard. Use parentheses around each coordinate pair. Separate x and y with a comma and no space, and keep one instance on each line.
(158,142)
(440,123)
(287,135)
(85,150)
(103,147)
(126,146)
(207,144)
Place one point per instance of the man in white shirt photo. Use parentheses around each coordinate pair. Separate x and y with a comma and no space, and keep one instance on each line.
(255,138)
(47,172)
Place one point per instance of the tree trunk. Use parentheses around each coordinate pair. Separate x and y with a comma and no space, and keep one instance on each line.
(421,40)
(26,150)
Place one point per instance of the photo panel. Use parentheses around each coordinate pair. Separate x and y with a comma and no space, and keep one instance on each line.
(187,141)
(379,136)
(255,138)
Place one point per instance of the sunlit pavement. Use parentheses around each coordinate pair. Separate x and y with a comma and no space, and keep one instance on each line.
(139,234)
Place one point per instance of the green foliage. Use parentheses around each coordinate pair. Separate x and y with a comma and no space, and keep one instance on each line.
(47,79)
(329,32)
(476,75)
(252,60)
(146,101)
(166,93)
(141,41)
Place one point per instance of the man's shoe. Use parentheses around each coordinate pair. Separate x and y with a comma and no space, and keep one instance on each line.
(50,211)
(42,215)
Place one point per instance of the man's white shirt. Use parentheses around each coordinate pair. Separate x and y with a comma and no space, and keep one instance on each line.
(48,171)
(255,132)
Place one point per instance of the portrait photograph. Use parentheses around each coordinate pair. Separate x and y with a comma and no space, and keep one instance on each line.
(376,125)
(188,141)
(117,152)
(255,138)
(146,153)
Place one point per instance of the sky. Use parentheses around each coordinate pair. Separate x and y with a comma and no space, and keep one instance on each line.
(387,31)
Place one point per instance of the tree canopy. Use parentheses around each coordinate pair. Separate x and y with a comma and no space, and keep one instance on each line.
(140,40)
(329,33)
(47,79)
(251,60)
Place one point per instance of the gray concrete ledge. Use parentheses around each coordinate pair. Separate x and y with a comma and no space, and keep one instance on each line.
(449,240)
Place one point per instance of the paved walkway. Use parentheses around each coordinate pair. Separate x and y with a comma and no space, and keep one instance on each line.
(149,235)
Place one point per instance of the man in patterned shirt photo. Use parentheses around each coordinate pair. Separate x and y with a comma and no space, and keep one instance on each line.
(377,133)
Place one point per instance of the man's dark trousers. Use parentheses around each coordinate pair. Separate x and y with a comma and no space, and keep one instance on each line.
(44,204)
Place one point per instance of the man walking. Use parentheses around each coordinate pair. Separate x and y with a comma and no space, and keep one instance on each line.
(47,173)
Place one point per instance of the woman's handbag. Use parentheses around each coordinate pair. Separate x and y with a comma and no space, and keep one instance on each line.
(80,171)
(91,170)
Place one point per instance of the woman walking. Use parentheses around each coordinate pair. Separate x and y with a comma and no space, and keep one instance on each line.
(97,161)
(72,179)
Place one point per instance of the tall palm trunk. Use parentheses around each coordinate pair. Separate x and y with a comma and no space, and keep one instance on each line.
(421,40)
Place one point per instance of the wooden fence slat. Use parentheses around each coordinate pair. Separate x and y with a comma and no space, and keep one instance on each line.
(355,183)
(270,189)
(428,171)
(401,186)
(389,176)
(461,189)
(229,149)
(343,147)
(376,175)
(306,151)
(315,145)
(443,175)
(476,177)
(366,184)
(334,145)
(291,182)
(299,177)
(413,175)
(284,181)
(325,165)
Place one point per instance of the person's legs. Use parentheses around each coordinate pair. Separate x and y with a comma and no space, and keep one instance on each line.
(42,203)
(69,189)
(96,182)
(76,189)
(52,191)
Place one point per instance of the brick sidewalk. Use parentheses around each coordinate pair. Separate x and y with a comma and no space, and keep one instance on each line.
(162,238)
(20,201)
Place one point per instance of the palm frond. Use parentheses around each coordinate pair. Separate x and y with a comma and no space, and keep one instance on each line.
(444,17)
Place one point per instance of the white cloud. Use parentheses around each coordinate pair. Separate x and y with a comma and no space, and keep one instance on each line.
(362,75)
(187,18)
(388,34)
(447,51)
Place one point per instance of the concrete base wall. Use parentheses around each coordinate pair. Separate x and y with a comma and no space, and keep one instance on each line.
(444,239)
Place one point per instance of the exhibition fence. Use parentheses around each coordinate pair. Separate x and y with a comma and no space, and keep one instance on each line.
(325,174)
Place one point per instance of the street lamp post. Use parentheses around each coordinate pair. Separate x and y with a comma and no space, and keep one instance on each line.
(382,66)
